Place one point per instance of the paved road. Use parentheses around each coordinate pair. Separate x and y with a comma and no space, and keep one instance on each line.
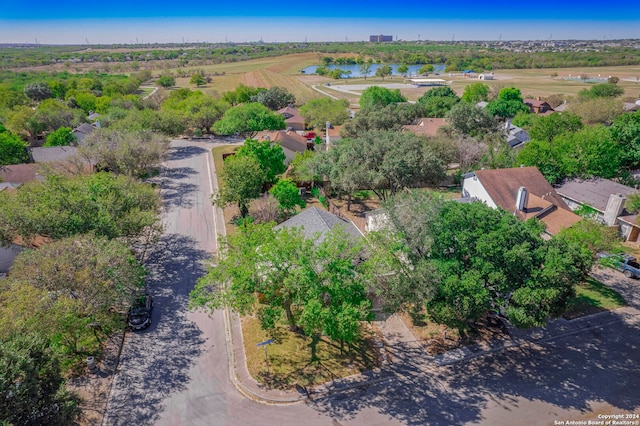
(176,372)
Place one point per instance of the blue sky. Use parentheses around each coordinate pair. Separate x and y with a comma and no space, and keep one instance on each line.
(119,21)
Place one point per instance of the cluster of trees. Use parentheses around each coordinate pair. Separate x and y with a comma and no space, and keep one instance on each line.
(456,261)
(62,300)
(246,175)
(278,274)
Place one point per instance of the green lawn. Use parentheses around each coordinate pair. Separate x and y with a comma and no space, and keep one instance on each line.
(290,357)
(592,296)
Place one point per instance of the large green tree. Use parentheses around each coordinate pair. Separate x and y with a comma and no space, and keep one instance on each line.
(318,111)
(626,132)
(248,119)
(508,103)
(475,92)
(269,157)
(242,178)
(313,284)
(274,98)
(107,205)
(547,127)
(288,196)
(32,388)
(467,258)
(471,120)
(60,137)
(378,97)
(391,117)
(382,161)
(12,149)
(439,101)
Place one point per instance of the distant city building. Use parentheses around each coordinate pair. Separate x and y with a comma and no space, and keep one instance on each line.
(380,38)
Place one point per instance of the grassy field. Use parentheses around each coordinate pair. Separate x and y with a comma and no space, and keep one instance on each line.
(290,357)
(592,296)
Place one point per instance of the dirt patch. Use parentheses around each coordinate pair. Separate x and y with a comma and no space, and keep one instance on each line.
(94,387)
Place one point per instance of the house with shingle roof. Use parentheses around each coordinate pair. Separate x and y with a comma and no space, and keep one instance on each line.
(290,141)
(50,154)
(538,106)
(316,222)
(292,118)
(82,131)
(522,191)
(607,200)
(15,175)
(426,126)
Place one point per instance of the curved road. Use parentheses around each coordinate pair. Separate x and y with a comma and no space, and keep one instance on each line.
(176,372)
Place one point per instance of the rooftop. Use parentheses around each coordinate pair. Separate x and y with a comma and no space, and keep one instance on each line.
(317,222)
(593,192)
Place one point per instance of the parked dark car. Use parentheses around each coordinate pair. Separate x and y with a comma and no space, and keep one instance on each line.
(140,313)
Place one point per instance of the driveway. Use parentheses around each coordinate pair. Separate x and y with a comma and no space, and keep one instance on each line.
(176,372)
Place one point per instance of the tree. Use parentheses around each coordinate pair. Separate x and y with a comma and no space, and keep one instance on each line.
(133,154)
(32,387)
(318,111)
(378,97)
(605,90)
(52,114)
(508,103)
(288,196)
(384,71)
(107,205)
(626,132)
(247,120)
(403,69)
(21,121)
(241,179)
(167,81)
(426,69)
(473,258)
(471,120)
(475,92)
(38,91)
(547,127)
(365,69)
(60,137)
(198,79)
(278,274)
(269,157)
(439,101)
(12,149)
(597,110)
(382,161)
(241,94)
(390,117)
(593,235)
(274,98)
(101,274)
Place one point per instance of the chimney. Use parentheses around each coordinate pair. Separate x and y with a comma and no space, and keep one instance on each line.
(267,138)
(521,199)
(615,205)
(539,98)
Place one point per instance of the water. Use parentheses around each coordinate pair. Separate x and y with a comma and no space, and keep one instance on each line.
(355,69)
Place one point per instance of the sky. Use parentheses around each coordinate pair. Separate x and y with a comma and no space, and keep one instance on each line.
(162,21)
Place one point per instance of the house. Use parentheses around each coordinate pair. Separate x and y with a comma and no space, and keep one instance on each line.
(290,141)
(317,223)
(15,175)
(606,199)
(49,154)
(538,106)
(334,133)
(426,126)
(516,136)
(630,107)
(522,191)
(82,131)
(562,107)
(8,254)
(292,118)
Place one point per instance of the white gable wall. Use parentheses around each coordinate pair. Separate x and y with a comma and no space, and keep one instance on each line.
(471,187)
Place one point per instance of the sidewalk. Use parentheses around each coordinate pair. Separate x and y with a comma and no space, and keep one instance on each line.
(401,346)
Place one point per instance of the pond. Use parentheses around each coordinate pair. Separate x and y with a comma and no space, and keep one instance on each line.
(355,69)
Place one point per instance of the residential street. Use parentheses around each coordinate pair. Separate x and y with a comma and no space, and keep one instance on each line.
(177,371)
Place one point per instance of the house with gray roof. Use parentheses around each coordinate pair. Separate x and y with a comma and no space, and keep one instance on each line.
(606,199)
(516,136)
(82,131)
(49,154)
(316,222)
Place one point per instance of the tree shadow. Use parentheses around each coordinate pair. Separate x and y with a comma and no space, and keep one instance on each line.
(178,194)
(183,152)
(155,363)
(599,365)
